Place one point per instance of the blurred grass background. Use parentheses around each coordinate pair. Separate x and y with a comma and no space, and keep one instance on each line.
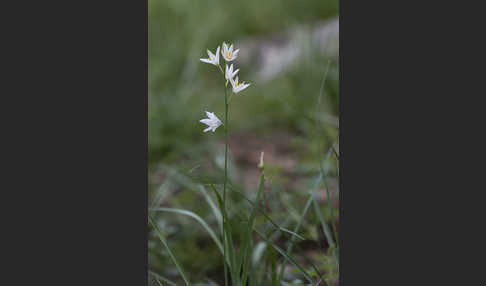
(276,116)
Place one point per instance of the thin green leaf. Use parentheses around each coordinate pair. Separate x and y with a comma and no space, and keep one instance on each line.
(220,200)
(317,115)
(288,257)
(291,232)
(299,223)
(273,223)
(324,225)
(158,281)
(231,253)
(246,254)
(321,175)
(273,265)
(162,191)
(159,277)
(231,259)
(197,218)
(189,184)
(164,242)
(212,205)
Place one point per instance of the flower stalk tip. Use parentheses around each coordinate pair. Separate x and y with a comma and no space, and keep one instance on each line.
(261,165)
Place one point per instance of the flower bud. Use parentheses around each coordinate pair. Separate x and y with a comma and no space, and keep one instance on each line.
(261,165)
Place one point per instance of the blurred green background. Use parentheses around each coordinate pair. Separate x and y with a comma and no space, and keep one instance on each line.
(276,114)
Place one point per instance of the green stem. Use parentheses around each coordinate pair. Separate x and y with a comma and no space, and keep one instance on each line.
(226,126)
(221,69)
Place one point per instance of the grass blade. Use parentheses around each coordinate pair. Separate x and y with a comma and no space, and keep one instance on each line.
(288,257)
(197,218)
(319,179)
(214,208)
(189,184)
(273,265)
(159,277)
(158,281)
(246,254)
(262,211)
(291,232)
(299,224)
(164,242)
(229,249)
(325,227)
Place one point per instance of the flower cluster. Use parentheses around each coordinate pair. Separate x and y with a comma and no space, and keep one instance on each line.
(229,75)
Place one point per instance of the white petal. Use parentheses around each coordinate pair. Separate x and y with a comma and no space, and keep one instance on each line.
(211,55)
(206,61)
(205,121)
(216,59)
(235,53)
(244,86)
(207,129)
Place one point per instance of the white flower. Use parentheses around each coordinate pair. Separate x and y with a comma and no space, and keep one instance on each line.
(212,121)
(229,75)
(213,59)
(238,86)
(228,53)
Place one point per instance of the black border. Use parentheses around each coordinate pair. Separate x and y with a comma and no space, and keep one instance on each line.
(77,143)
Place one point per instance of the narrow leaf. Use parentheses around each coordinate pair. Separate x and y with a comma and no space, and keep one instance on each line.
(164,242)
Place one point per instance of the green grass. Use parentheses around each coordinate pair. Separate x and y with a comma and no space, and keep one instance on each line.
(180,87)
(285,223)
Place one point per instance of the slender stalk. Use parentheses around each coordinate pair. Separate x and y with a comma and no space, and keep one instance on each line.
(226,126)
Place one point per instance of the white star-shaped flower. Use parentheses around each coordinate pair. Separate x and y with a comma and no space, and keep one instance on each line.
(213,59)
(238,86)
(212,121)
(230,74)
(228,53)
